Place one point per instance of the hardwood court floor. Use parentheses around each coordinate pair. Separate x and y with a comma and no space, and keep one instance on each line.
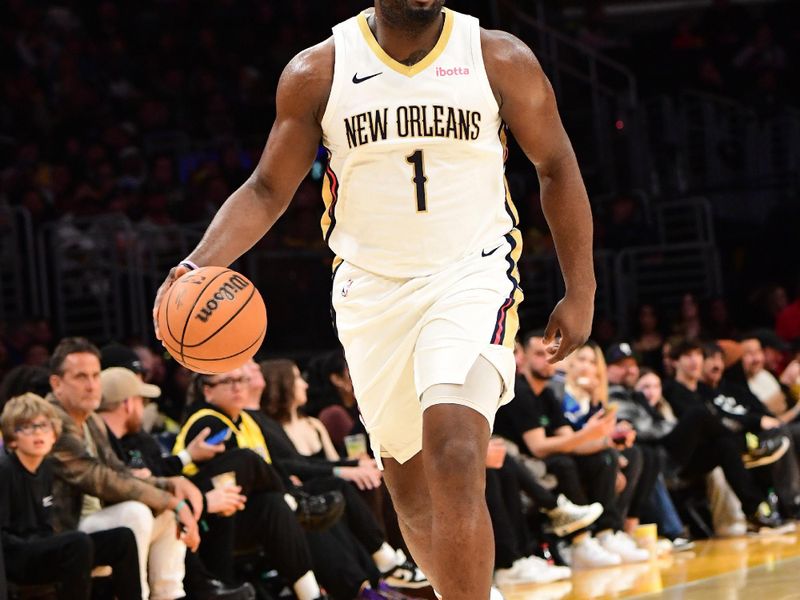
(757,568)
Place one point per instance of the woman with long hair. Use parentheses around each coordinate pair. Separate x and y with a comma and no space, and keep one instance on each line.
(332,399)
(586,385)
(283,399)
(585,393)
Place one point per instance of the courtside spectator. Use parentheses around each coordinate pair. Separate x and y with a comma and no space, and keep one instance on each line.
(36,554)
(95,491)
(698,453)
(124,399)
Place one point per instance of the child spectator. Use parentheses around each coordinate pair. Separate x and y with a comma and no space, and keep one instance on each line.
(37,555)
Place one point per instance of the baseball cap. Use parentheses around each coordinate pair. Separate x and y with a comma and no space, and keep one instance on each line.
(119,383)
(768,339)
(117,355)
(617,352)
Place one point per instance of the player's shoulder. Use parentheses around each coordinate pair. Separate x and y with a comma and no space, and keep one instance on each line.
(312,64)
(306,80)
(510,66)
(502,49)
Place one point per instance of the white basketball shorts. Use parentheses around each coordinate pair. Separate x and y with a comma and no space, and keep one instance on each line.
(401,336)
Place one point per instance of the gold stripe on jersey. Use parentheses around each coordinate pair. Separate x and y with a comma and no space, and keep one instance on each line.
(510,320)
(512,317)
(398,66)
(327,199)
(330,193)
(510,207)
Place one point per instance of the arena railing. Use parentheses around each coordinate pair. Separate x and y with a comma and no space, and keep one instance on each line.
(88,276)
(99,276)
(663,274)
(598,99)
(683,221)
(19,293)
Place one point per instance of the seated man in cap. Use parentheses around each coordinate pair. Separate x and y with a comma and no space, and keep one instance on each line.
(161,416)
(125,396)
(623,374)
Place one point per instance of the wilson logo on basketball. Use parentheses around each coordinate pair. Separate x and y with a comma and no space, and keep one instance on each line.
(226,292)
(453,72)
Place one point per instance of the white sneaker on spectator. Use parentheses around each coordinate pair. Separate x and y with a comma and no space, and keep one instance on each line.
(623,545)
(589,554)
(522,571)
(405,574)
(735,529)
(550,572)
(568,517)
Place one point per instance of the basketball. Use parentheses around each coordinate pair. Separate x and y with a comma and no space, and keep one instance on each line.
(212,320)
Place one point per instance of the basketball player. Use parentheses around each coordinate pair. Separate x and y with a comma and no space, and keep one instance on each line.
(410,101)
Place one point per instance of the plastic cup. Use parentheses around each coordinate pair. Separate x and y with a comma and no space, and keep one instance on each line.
(646,537)
(356,445)
(222,480)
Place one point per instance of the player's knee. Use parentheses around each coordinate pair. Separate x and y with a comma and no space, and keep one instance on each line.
(455,459)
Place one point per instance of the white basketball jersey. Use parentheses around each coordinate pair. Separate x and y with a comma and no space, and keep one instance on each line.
(415,176)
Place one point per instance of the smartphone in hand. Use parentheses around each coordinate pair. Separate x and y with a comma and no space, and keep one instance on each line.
(218,437)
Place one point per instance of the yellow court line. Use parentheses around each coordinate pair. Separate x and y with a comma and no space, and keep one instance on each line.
(709,559)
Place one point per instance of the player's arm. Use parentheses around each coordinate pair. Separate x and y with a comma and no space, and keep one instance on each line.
(290,151)
(528,107)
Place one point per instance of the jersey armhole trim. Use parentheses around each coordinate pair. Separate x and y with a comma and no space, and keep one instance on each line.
(477,58)
(336,82)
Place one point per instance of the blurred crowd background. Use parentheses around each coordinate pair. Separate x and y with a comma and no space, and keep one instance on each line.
(125,125)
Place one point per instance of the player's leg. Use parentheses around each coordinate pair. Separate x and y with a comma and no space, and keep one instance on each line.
(411,498)
(455,440)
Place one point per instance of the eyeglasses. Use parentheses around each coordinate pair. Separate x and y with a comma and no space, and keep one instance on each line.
(229,382)
(30,428)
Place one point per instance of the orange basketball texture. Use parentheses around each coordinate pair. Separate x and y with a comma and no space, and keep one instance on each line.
(212,320)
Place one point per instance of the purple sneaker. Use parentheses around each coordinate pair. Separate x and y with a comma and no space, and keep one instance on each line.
(384,592)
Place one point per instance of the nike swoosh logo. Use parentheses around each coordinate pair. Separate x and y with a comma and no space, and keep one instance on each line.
(357,79)
(490,252)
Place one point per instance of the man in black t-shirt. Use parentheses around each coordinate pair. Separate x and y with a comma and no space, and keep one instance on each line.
(584,461)
(700,455)
(741,411)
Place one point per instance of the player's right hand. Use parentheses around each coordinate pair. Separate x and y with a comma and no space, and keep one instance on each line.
(174,274)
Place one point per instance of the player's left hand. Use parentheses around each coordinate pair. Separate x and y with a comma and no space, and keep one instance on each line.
(569,326)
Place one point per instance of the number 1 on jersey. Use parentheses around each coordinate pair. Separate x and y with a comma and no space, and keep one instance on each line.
(419,179)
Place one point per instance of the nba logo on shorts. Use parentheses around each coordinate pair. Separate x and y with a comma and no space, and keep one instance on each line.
(346,287)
